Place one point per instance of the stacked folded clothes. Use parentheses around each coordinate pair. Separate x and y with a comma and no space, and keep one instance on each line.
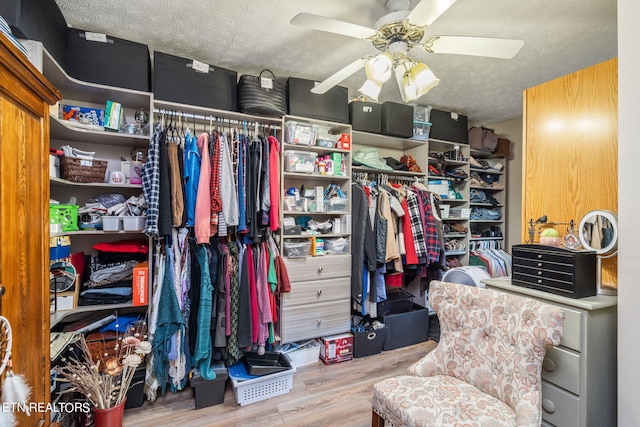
(6,30)
(110,274)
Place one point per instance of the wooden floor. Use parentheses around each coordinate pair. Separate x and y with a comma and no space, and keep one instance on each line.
(334,395)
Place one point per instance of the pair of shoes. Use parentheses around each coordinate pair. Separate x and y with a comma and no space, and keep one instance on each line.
(457,227)
(434,172)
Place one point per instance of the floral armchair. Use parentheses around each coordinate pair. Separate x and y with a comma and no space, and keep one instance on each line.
(486,368)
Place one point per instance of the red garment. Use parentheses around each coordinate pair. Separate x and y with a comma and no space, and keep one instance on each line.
(411,257)
(216,201)
(253,294)
(284,285)
(124,246)
(274,183)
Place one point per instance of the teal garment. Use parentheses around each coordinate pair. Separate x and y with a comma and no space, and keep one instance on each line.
(169,322)
(203,349)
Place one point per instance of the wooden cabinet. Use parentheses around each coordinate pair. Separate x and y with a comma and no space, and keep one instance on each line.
(578,376)
(25,96)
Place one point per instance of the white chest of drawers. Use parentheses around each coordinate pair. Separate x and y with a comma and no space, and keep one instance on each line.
(579,376)
(320,298)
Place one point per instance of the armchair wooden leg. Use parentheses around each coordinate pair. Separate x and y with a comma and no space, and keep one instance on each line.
(376,420)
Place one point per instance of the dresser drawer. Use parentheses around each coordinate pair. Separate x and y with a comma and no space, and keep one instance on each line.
(543,280)
(572,335)
(559,407)
(314,268)
(542,264)
(562,368)
(303,322)
(317,291)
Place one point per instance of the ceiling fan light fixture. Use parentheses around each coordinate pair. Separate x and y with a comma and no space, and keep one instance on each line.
(371,89)
(423,79)
(378,68)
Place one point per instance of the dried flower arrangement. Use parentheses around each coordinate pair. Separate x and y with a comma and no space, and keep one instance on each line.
(105,380)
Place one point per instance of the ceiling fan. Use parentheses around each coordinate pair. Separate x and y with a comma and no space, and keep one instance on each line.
(396,33)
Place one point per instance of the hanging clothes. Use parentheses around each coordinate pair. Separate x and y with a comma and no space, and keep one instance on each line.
(203,198)
(191,176)
(177,196)
(228,192)
(151,181)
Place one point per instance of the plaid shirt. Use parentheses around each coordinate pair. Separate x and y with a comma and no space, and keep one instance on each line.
(416,224)
(151,182)
(431,236)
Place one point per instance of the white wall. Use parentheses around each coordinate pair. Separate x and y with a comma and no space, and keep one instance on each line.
(512,130)
(628,219)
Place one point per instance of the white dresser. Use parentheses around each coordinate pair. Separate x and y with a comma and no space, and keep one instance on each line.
(579,376)
(319,303)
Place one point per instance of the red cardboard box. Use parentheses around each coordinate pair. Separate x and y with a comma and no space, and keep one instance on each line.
(336,348)
(344,142)
(141,284)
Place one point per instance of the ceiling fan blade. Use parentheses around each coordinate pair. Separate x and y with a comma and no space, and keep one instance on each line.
(331,25)
(478,46)
(427,11)
(339,76)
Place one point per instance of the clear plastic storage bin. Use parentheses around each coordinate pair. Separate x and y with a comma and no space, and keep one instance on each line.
(297,249)
(300,133)
(336,246)
(299,161)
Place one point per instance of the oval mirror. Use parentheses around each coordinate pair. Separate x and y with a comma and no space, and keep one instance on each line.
(62,276)
(598,232)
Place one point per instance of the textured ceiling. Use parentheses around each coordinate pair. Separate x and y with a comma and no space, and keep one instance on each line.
(247,36)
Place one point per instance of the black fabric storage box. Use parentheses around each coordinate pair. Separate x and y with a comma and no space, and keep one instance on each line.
(369,342)
(365,116)
(448,126)
(405,329)
(175,80)
(398,301)
(209,392)
(39,20)
(397,119)
(119,63)
(135,394)
(332,105)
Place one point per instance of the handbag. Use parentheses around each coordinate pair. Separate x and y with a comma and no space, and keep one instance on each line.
(482,139)
(262,96)
(503,148)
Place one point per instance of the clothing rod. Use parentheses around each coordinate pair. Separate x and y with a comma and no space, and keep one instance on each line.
(213,118)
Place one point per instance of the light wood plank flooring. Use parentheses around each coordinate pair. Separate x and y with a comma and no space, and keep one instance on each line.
(333,395)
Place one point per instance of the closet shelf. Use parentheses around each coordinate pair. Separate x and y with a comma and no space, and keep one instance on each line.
(315,176)
(74,89)
(59,316)
(495,221)
(480,187)
(486,171)
(188,111)
(452,253)
(452,235)
(320,236)
(486,238)
(384,141)
(455,219)
(313,148)
(486,204)
(64,132)
(453,200)
(314,214)
(93,233)
(59,182)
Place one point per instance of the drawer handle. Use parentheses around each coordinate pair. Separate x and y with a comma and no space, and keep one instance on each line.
(548,365)
(539,264)
(318,322)
(540,281)
(319,292)
(539,273)
(319,270)
(539,256)
(548,406)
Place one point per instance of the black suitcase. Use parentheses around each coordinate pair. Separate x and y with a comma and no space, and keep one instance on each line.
(448,126)
(175,80)
(332,105)
(39,20)
(103,59)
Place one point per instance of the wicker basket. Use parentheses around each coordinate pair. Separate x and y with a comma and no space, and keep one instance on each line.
(81,170)
(254,98)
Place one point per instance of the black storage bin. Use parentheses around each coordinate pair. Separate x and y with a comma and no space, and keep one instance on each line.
(120,63)
(332,105)
(365,116)
(175,80)
(397,119)
(398,301)
(135,394)
(405,329)
(39,20)
(209,392)
(448,126)
(368,342)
